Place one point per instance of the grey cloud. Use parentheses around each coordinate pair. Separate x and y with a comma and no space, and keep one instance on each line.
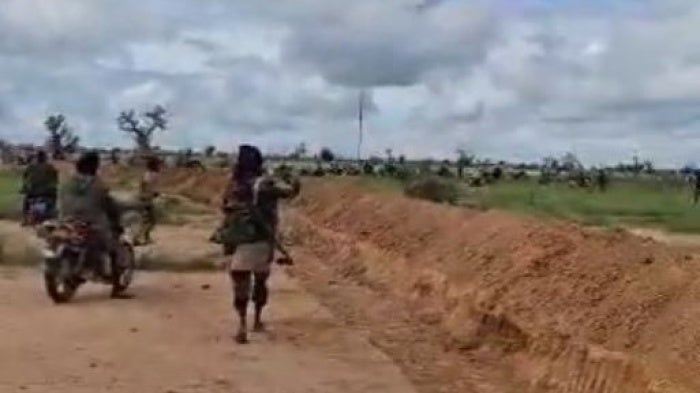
(202,44)
(571,119)
(367,44)
(551,76)
(426,5)
(472,116)
(6,115)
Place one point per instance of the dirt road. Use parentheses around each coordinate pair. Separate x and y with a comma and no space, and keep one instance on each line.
(175,337)
(461,301)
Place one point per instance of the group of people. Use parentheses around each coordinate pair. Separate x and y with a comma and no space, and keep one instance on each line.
(248,232)
(84,197)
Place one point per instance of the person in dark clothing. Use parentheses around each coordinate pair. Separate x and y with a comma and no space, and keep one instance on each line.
(249,232)
(39,180)
(696,186)
(602,180)
(85,198)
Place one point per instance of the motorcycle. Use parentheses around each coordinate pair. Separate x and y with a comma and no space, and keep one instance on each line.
(69,261)
(39,210)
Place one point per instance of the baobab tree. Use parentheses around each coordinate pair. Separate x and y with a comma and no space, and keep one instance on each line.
(464,159)
(61,139)
(143,128)
(389,155)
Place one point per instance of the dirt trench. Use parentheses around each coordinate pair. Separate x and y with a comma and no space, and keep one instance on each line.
(564,308)
(554,306)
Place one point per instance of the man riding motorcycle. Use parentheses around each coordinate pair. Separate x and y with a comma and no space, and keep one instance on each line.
(84,198)
(40,180)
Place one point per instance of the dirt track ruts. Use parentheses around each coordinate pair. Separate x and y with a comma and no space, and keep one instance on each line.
(175,337)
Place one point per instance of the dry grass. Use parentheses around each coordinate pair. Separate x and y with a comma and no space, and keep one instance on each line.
(18,253)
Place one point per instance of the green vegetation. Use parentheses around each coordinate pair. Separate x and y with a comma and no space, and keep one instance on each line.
(433,189)
(641,203)
(10,199)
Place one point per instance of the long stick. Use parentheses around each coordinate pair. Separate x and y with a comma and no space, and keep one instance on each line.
(361,102)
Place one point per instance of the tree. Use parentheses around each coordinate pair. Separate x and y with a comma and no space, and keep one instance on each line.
(465,158)
(374,160)
(5,152)
(550,163)
(300,151)
(570,162)
(636,166)
(209,151)
(142,129)
(61,138)
(327,155)
(389,155)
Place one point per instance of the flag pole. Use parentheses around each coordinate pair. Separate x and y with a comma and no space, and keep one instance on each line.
(360,119)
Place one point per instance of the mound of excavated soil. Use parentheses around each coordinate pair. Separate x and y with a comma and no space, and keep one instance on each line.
(577,310)
(608,309)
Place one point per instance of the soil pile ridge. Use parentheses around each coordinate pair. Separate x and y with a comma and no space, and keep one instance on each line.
(575,309)
(605,306)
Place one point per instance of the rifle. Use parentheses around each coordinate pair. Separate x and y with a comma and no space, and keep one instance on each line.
(286,259)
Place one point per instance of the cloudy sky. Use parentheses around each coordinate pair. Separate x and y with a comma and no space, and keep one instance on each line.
(511,79)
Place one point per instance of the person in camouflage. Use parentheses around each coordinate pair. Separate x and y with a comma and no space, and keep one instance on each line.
(249,233)
(602,180)
(39,180)
(148,192)
(84,198)
(696,186)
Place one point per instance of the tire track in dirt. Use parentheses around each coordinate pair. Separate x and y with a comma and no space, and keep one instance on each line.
(174,337)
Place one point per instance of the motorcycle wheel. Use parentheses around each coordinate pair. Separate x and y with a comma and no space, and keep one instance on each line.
(59,287)
(123,270)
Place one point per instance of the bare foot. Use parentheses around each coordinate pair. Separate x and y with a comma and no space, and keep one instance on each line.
(241,338)
(259,327)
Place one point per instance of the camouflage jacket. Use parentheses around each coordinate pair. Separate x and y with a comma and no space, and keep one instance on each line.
(86,198)
(252,211)
(40,179)
(147,187)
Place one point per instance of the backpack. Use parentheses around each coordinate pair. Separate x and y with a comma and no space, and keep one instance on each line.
(244,223)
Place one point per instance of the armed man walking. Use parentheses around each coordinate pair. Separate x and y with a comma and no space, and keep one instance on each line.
(40,180)
(249,233)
